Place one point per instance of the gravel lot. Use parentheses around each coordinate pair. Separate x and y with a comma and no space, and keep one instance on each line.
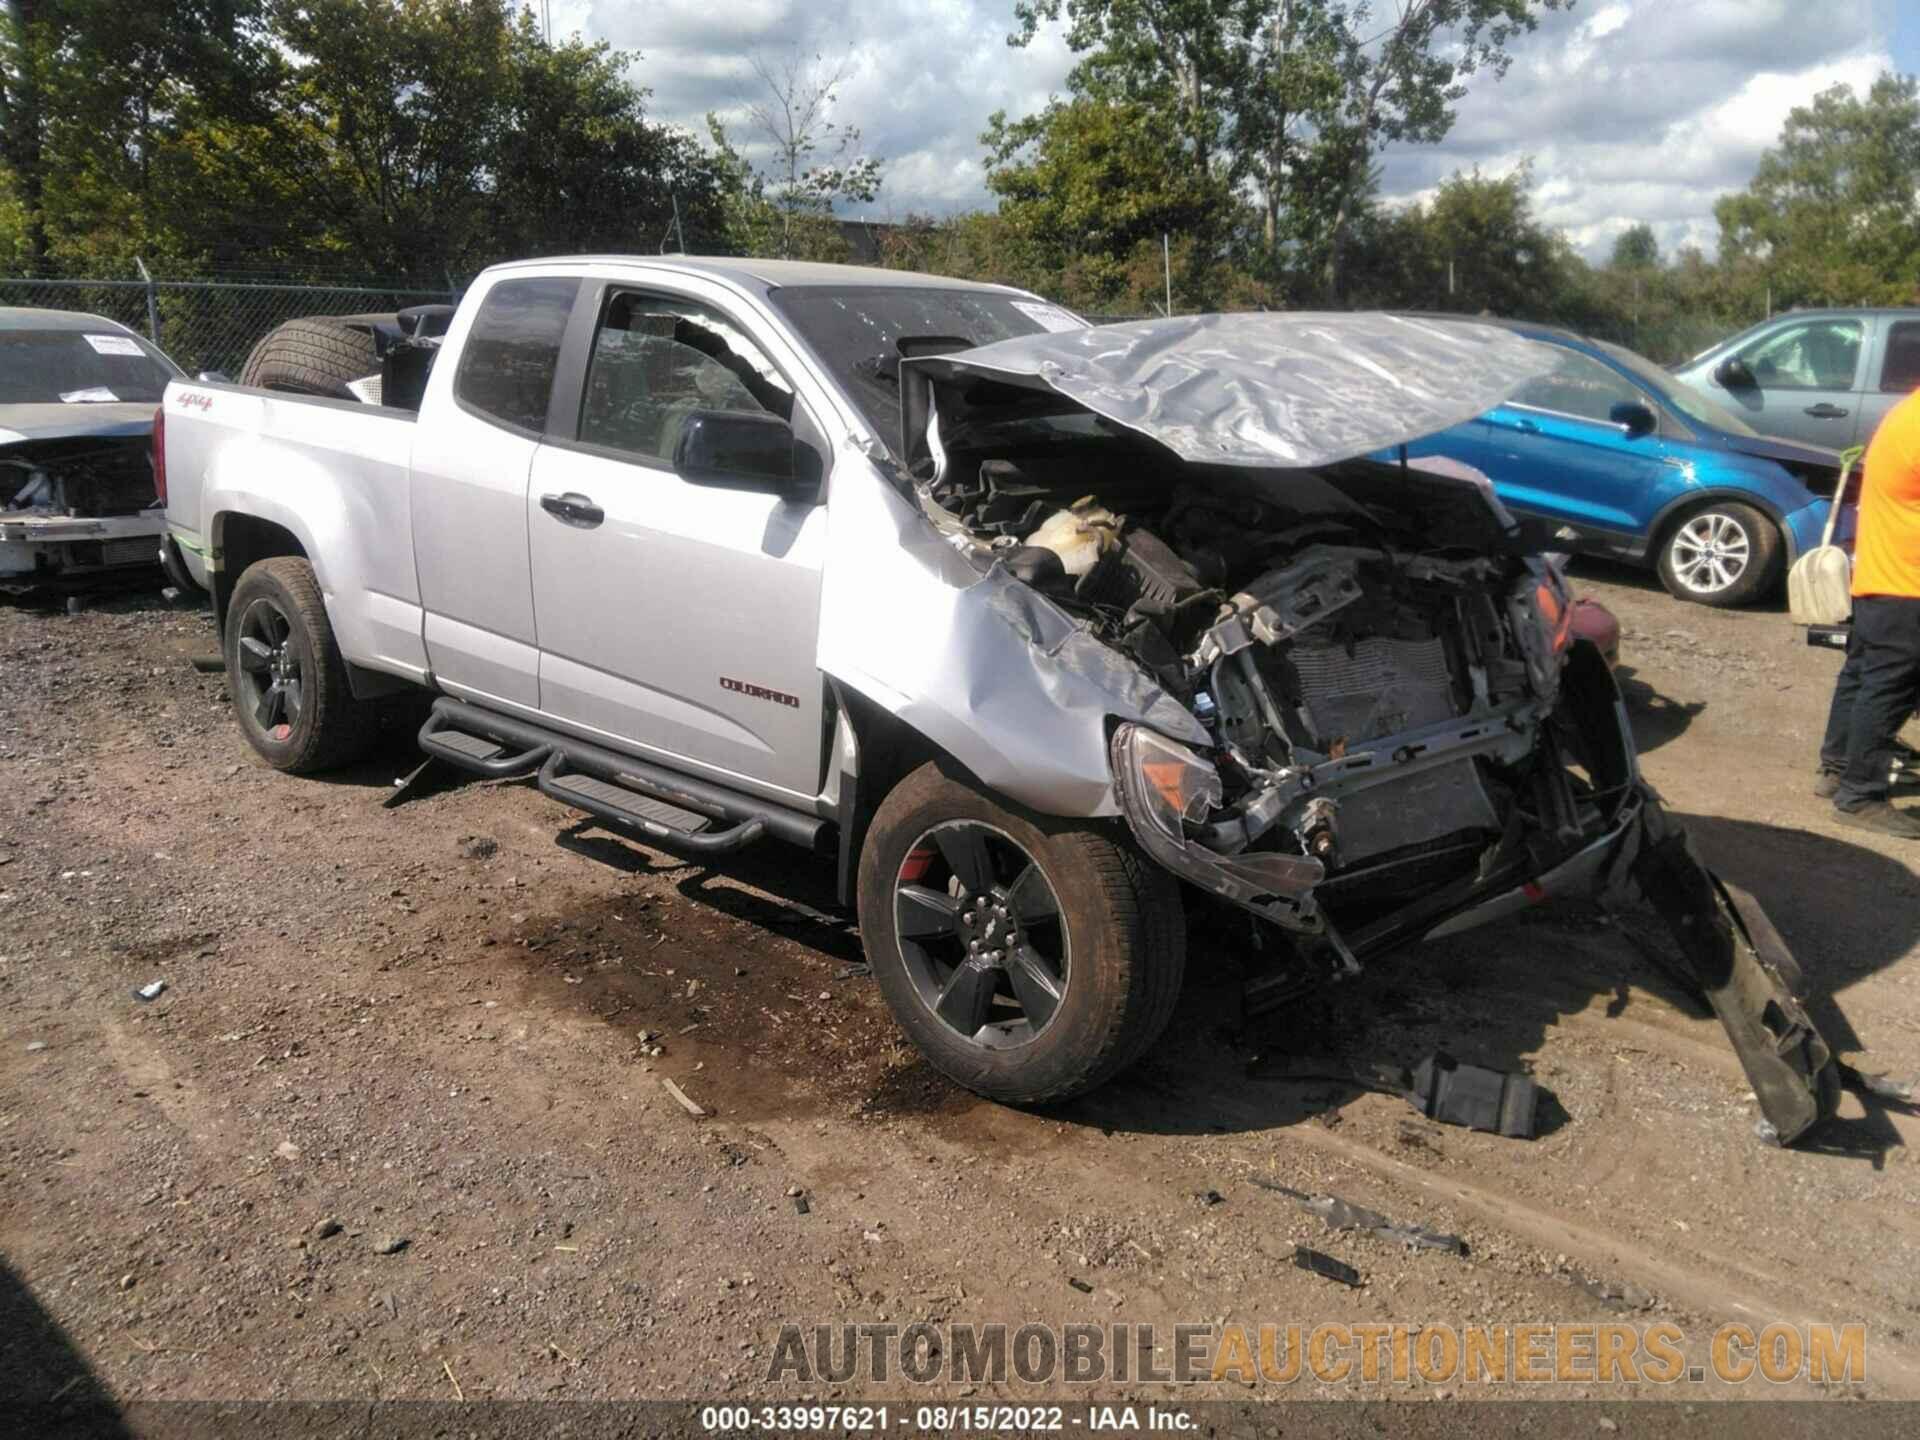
(397,1126)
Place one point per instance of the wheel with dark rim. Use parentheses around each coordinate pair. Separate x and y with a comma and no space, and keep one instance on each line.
(1721,554)
(981,934)
(285,674)
(269,678)
(1028,957)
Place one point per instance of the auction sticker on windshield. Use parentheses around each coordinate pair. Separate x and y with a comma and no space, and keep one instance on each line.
(115,345)
(1050,317)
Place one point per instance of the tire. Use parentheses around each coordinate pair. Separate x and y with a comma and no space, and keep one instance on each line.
(1721,554)
(314,356)
(1114,947)
(277,631)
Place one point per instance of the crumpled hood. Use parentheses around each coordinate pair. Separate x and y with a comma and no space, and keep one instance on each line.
(60,422)
(1266,390)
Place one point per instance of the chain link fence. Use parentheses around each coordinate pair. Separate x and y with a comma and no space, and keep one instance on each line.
(209,324)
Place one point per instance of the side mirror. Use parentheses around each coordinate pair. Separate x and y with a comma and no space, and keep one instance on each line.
(1635,418)
(214,377)
(742,450)
(1733,374)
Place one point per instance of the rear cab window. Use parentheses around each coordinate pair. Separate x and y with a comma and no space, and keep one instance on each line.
(508,362)
(1900,371)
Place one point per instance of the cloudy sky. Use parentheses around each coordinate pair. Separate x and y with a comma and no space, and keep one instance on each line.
(1631,109)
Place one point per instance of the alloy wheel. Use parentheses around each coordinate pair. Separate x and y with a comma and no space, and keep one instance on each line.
(980,930)
(271,677)
(1710,552)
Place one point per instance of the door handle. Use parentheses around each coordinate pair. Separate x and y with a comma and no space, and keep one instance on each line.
(573,506)
(1824,411)
(1526,427)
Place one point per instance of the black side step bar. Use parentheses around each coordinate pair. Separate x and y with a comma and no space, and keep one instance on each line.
(477,753)
(680,829)
(677,811)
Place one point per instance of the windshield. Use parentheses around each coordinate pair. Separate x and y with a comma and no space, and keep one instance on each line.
(861,335)
(80,367)
(1689,402)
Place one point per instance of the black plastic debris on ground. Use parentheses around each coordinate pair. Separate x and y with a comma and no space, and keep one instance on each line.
(1344,1215)
(1326,1266)
(1439,1087)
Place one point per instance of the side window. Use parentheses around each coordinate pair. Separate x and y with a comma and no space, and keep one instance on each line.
(1900,375)
(657,360)
(506,368)
(1582,387)
(1813,355)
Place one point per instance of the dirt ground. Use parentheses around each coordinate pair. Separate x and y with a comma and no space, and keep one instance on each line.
(449,1024)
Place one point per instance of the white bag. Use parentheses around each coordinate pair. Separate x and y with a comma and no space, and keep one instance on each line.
(1820,584)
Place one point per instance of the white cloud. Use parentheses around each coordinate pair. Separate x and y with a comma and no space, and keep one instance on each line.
(1632,110)
(1648,111)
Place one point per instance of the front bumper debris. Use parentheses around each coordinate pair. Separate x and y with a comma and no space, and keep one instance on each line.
(1731,949)
(1745,971)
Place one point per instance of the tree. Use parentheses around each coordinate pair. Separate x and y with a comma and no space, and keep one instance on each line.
(1296,96)
(1635,248)
(1402,80)
(579,168)
(1834,208)
(1089,182)
(94,97)
(1475,247)
(814,163)
(1181,60)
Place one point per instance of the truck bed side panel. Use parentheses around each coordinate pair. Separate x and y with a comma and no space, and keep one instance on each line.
(332,473)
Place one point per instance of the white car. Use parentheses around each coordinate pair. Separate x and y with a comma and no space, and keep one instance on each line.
(77,399)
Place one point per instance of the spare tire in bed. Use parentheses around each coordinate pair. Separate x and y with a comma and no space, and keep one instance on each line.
(318,355)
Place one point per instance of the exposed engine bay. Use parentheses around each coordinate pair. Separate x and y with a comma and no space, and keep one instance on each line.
(76,504)
(1377,680)
(82,476)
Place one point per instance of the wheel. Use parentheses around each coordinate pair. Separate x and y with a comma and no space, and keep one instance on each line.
(1029,958)
(288,682)
(1722,554)
(314,356)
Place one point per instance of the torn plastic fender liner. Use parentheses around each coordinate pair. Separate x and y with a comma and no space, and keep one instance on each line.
(1745,970)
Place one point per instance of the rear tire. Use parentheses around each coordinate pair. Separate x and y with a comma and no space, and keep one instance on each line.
(1104,925)
(318,355)
(285,674)
(1722,554)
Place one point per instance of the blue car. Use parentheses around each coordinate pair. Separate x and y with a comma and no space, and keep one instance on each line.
(1614,457)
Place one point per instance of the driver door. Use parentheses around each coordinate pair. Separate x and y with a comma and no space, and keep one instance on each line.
(1807,382)
(676,620)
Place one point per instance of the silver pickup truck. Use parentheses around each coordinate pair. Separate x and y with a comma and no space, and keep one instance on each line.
(1031,626)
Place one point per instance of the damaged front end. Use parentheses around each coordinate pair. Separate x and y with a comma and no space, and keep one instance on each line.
(1402,736)
(76,505)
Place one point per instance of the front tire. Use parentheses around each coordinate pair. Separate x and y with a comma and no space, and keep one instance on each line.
(1029,958)
(1723,554)
(285,674)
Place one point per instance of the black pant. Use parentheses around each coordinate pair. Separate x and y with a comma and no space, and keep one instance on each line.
(1883,654)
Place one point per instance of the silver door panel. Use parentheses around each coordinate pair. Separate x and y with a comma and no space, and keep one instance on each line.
(685,623)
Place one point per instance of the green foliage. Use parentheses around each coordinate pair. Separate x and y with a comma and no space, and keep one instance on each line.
(389,137)
(1834,208)
(1636,249)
